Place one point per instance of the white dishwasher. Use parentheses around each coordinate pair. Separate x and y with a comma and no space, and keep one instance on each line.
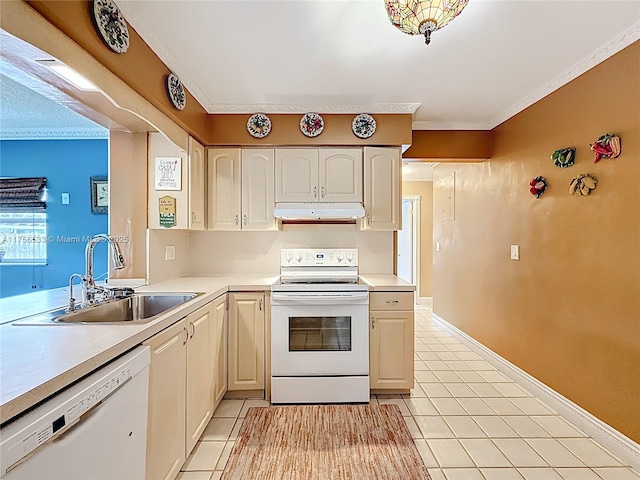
(95,429)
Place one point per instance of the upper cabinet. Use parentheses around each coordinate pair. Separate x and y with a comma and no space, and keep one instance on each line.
(382,188)
(196,185)
(318,175)
(240,184)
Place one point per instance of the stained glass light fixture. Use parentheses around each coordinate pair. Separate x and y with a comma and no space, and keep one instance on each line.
(421,17)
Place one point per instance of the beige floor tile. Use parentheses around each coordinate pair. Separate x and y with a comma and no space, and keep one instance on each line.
(426,454)
(219,428)
(495,427)
(501,474)
(532,406)
(577,474)
(557,426)
(463,474)
(252,403)
(236,429)
(420,406)
(617,473)
(204,456)
(448,406)
(428,355)
(437,389)
(458,365)
(416,392)
(216,476)
(433,426)
(396,401)
(413,427)
(421,347)
(228,408)
(485,389)
(436,474)
(440,348)
(591,454)
(539,474)
(470,377)
(450,454)
(475,406)
(425,376)
(525,427)
(511,390)
(478,365)
(447,356)
(437,365)
(464,427)
(494,376)
(419,365)
(484,452)
(460,390)
(447,376)
(519,453)
(224,456)
(194,476)
(459,348)
(503,406)
(554,453)
(468,356)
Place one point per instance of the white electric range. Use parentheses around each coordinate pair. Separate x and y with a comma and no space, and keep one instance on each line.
(319,328)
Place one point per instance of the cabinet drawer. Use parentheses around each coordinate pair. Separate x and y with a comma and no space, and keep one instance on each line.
(391,301)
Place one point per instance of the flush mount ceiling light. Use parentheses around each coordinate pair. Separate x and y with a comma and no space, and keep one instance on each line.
(68,74)
(421,17)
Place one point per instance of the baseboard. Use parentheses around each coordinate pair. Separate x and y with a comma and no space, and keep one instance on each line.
(616,442)
(425,301)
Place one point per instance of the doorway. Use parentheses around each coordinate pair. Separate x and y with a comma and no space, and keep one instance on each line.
(408,253)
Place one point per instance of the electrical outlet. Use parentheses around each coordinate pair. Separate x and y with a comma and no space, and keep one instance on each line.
(65,199)
(170,252)
(437,246)
(515,252)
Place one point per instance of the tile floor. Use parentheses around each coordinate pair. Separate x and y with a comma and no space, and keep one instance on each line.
(468,420)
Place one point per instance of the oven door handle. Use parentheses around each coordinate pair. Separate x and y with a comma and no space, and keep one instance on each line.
(326,297)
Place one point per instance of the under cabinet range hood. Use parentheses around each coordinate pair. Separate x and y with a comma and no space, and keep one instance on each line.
(319,211)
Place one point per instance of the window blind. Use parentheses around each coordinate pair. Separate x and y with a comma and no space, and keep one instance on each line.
(22,194)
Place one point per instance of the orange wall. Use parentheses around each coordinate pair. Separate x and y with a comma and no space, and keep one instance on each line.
(425,190)
(568,312)
(450,145)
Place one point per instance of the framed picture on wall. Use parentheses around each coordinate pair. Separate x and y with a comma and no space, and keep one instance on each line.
(99,195)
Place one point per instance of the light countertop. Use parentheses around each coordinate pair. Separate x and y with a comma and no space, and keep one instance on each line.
(38,361)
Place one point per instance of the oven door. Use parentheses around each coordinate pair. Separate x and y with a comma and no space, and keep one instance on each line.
(319,333)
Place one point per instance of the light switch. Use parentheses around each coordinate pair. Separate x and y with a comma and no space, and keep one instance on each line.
(515,252)
(437,246)
(170,252)
(65,199)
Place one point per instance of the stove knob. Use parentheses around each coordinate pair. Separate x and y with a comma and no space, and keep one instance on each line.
(299,257)
(349,257)
(340,257)
(288,257)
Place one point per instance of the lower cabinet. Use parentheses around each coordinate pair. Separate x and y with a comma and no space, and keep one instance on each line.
(391,340)
(220,349)
(246,341)
(181,387)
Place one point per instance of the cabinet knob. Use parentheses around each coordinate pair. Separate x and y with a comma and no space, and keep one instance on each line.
(369,219)
(236,220)
(315,192)
(244,219)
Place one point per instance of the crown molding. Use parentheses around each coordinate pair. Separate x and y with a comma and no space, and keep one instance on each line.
(53,134)
(624,39)
(432,125)
(372,108)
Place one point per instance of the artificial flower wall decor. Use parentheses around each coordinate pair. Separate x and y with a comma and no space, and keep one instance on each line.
(538,186)
(582,184)
(607,146)
(564,157)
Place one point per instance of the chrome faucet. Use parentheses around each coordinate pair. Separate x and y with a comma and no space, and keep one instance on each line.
(89,288)
(72,301)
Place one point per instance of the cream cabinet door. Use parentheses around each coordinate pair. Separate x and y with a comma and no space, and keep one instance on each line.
(219,339)
(258,189)
(246,341)
(297,175)
(196,185)
(166,414)
(224,188)
(382,188)
(340,173)
(200,374)
(391,350)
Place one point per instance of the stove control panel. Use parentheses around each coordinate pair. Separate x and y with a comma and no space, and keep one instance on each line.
(330,257)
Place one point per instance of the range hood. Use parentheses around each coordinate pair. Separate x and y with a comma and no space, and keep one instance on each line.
(319,211)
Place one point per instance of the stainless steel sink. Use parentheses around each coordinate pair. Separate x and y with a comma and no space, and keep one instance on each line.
(139,308)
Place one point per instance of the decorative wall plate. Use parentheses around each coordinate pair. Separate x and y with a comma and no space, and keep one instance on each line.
(176,91)
(363,125)
(538,186)
(582,184)
(111,25)
(259,125)
(564,157)
(311,124)
(607,146)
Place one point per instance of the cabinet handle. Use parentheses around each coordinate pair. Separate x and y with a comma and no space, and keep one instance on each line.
(244,219)
(392,301)
(260,304)
(193,332)
(369,219)
(193,216)
(315,192)
(322,192)
(186,337)
(373,324)
(236,220)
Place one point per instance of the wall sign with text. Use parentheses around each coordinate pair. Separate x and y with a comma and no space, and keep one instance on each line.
(168,173)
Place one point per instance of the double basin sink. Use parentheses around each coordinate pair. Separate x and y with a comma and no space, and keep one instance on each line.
(136,309)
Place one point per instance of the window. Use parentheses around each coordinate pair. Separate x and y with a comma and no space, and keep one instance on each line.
(23,221)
